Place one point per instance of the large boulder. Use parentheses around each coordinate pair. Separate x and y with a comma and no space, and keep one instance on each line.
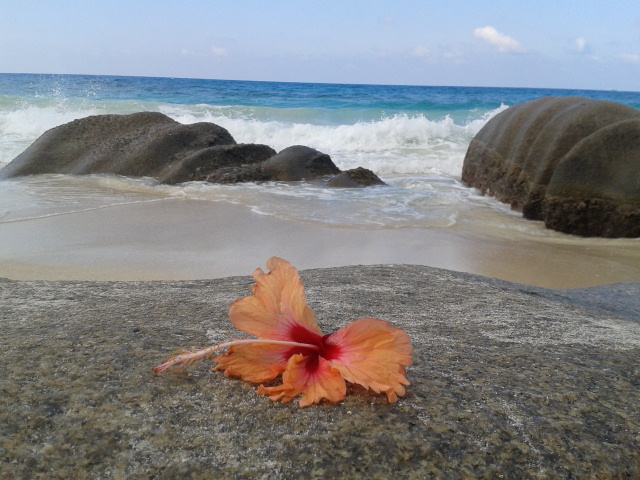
(213,164)
(572,162)
(355,178)
(149,144)
(299,163)
(140,144)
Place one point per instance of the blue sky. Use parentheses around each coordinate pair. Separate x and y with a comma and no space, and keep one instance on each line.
(590,44)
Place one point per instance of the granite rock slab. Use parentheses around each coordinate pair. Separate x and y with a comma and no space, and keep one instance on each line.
(508,381)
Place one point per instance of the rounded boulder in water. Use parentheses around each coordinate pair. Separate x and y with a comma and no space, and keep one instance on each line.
(354,178)
(139,144)
(299,163)
(572,162)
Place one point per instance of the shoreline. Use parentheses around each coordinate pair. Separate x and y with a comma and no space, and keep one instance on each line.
(182,239)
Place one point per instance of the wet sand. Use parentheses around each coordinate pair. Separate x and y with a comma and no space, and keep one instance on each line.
(180,239)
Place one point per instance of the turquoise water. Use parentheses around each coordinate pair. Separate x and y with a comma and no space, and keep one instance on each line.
(413,137)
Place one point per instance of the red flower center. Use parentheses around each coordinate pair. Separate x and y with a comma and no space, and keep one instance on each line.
(301,334)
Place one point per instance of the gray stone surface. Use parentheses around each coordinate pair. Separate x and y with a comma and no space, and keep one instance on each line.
(140,144)
(508,381)
(356,178)
(297,163)
(213,165)
(572,162)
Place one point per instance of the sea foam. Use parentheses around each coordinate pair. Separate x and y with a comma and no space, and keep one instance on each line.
(399,144)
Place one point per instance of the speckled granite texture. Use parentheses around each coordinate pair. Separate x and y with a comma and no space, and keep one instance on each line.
(508,382)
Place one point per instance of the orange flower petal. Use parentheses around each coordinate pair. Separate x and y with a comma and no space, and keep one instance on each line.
(254,363)
(278,309)
(310,376)
(372,353)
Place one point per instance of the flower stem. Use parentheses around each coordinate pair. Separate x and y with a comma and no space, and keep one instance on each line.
(188,358)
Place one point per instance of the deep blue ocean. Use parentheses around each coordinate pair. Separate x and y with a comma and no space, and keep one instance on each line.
(413,137)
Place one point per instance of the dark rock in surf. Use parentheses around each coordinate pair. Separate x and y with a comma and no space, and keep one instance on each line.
(141,144)
(214,165)
(572,162)
(355,178)
(299,163)
(149,144)
(241,174)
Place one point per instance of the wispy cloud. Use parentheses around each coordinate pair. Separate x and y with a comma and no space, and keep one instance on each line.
(493,37)
(420,52)
(213,51)
(455,55)
(189,53)
(219,51)
(629,58)
(580,44)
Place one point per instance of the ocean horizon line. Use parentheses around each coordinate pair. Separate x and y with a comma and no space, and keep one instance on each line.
(338,84)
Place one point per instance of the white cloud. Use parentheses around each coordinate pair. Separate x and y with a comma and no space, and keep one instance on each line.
(219,51)
(215,51)
(455,56)
(580,44)
(629,58)
(189,53)
(493,37)
(421,52)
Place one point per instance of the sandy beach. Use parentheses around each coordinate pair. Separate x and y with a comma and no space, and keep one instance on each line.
(181,239)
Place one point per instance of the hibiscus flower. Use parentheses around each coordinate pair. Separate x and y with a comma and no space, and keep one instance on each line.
(369,352)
